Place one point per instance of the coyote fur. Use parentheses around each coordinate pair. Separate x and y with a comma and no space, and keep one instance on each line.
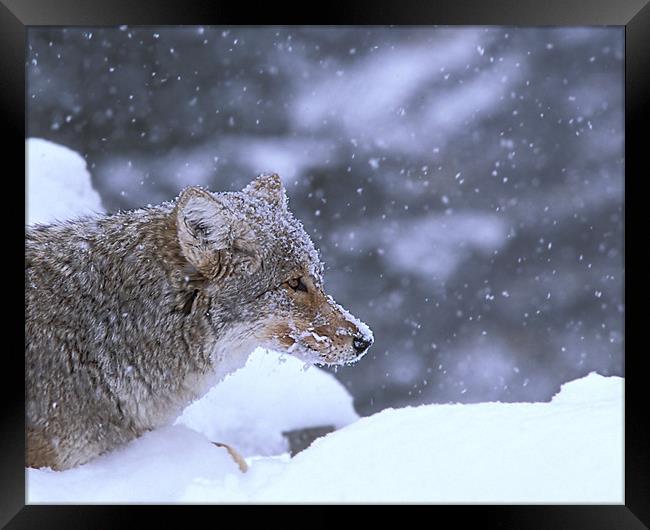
(131,316)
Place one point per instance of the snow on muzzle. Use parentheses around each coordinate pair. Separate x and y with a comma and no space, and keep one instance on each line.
(361,334)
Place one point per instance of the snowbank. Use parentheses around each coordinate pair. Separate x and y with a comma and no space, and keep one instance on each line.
(274,394)
(567,451)
(58,184)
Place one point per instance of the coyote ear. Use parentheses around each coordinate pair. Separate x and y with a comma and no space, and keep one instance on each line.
(203,227)
(268,186)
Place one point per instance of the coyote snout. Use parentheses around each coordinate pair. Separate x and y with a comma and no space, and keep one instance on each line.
(131,316)
(312,326)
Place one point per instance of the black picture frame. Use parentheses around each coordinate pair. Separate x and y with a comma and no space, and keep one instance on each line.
(17,15)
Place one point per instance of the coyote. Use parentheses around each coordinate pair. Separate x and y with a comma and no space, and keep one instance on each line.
(131,316)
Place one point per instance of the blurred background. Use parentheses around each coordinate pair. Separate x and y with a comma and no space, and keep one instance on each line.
(464,185)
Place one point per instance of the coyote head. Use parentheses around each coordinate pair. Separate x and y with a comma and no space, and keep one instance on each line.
(261,274)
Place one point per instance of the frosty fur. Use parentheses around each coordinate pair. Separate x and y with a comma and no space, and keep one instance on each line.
(131,316)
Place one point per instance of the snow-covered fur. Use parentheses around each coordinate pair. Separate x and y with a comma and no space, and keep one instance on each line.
(131,316)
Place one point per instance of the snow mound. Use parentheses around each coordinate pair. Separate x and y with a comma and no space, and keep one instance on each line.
(275,393)
(150,469)
(583,390)
(58,183)
(567,451)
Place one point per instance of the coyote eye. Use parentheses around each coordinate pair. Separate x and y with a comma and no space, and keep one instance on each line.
(297,285)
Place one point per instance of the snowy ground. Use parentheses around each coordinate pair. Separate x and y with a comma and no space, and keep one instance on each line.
(567,451)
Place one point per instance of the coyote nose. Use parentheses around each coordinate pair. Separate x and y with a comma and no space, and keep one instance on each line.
(361,344)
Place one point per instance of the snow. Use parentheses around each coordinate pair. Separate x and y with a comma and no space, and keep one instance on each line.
(569,450)
(270,382)
(366,332)
(58,183)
